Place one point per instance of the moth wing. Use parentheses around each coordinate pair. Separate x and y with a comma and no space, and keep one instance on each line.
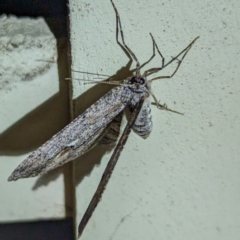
(112,131)
(77,137)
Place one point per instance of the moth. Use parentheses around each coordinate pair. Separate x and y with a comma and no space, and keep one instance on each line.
(100,124)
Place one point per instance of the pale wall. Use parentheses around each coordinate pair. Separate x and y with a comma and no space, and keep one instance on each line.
(34,106)
(183,181)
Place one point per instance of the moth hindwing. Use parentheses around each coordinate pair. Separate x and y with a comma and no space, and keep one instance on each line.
(100,123)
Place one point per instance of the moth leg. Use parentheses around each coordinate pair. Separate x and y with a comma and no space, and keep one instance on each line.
(122,36)
(156,46)
(154,70)
(164,106)
(153,55)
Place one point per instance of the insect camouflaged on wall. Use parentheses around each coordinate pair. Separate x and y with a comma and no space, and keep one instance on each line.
(100,124)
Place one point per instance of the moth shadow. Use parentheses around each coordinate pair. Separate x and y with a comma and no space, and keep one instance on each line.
(45,179)
(85,164)
(34,128)
(37,126)
(40,124)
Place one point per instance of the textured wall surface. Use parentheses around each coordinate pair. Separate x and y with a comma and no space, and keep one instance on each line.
(32,110)
(183,181)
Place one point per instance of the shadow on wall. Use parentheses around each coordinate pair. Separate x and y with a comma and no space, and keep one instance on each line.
(42,123)
(38,126)
(39,230)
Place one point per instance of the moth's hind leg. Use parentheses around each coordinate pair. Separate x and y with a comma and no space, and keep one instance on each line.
(163,106)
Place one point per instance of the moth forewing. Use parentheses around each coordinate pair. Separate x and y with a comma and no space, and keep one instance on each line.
(77,137)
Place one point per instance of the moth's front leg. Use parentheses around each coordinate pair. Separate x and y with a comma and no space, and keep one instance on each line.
(165,107)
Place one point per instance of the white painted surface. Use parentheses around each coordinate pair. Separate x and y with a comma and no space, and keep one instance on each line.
(29,99)
(182,182)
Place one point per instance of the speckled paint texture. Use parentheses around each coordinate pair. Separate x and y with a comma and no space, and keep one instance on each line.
(182,182)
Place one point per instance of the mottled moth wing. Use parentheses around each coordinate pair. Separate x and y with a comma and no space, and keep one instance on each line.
(77,137)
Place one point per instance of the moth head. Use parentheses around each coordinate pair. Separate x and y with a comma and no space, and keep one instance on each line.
(137,80)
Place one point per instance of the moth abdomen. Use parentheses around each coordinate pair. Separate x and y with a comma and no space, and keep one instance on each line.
(143,124)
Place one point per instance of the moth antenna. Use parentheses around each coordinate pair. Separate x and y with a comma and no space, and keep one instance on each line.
(92,73)
(101,82)
(104,82)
